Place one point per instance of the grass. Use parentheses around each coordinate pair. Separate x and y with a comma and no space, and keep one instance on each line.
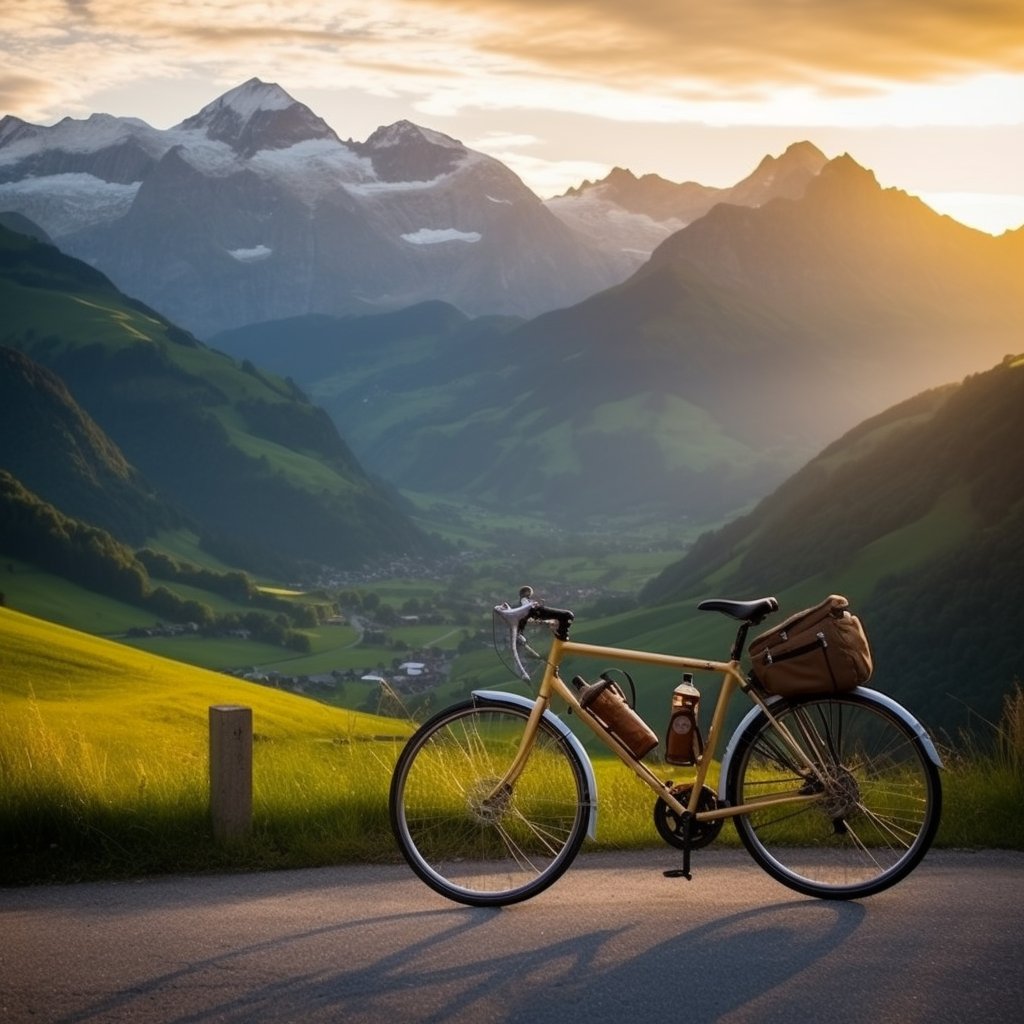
(103,765)
(103,770)
(332,647)
(90,317)
(688,434)
(183,546)
(987,793)
(306,472)
(45,595)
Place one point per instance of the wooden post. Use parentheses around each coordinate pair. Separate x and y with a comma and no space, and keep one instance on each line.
(230,771)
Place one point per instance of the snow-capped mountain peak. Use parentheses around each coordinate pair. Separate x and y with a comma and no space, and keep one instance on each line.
(404,151)
(404,133)
(13,128)
(258,116)
(251,96)
(21,140)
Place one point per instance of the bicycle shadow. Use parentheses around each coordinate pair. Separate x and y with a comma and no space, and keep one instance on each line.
(700,974)
(706,972)
(288,996)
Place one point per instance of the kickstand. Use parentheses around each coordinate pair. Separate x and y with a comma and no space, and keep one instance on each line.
(684,871)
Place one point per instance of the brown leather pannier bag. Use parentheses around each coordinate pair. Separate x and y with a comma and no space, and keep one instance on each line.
(818,650)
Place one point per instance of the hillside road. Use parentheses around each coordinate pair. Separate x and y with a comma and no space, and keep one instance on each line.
(613,940)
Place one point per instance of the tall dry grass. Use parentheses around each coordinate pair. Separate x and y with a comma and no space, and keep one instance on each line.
(983,786)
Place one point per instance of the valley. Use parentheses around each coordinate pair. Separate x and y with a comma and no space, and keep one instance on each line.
(434,613)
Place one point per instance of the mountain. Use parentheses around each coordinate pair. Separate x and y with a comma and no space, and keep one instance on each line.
(917,514)
(253,209)
(258,116)
(23,226)
(750,339)
(630,216)
(260,473)
(59,452)
(373,353)
(387,376)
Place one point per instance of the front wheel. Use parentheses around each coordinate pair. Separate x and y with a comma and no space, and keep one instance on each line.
(870,795)
(465,834)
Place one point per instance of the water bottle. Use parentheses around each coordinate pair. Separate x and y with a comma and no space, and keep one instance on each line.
(607,703)
(683,742)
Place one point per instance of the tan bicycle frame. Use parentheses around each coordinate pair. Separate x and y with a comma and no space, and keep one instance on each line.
(732,680)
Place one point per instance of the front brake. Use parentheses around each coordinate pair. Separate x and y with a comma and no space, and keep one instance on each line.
(514,619)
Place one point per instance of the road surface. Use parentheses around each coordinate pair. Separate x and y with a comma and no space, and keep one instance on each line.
(613,940)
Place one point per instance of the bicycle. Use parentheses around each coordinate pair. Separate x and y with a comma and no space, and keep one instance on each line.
(836,796)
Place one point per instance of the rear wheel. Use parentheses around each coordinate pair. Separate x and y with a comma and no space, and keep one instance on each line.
(875,796)
(466,836)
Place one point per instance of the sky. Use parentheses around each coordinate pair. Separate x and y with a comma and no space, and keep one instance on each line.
(929,94)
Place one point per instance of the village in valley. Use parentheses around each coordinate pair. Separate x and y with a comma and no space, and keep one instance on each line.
(371,649)
(406,678)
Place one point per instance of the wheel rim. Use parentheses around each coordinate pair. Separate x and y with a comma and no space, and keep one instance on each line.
(876,806)
(472,840)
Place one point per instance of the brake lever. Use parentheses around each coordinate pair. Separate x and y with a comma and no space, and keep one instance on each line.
(515,619)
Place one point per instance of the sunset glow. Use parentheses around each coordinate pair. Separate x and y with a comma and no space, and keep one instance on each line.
(927,93)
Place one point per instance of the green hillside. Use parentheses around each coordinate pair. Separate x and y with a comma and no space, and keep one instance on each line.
(262,473)
(59,452)
(503,415)
(918,516)
(103,762)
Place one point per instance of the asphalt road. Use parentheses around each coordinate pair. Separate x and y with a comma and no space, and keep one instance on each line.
(612,941)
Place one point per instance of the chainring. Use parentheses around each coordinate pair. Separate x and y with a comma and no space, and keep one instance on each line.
(670,825)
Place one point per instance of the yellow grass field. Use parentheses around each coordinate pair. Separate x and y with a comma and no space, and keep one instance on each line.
(104,754)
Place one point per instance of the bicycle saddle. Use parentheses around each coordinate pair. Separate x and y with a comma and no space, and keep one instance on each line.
(747,611)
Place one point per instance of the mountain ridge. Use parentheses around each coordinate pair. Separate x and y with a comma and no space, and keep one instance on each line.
(630,216)
(258,115)
(254,209)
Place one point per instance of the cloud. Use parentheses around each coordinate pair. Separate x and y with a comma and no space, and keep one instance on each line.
(100,44)
(744,43)
(661,61)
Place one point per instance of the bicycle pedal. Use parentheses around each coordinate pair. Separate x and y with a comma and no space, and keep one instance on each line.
(678,873)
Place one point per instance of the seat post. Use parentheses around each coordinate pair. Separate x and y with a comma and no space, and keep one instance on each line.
(741,638)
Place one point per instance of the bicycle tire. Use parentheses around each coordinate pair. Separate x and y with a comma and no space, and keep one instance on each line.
(880,801)
(487,853)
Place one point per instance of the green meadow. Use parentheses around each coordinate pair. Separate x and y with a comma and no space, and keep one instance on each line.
(104,770)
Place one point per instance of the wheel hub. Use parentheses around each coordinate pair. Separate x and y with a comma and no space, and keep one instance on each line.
(841,796)
(488,803)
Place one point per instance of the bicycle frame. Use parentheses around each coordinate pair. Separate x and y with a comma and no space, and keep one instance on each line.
(732,680)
